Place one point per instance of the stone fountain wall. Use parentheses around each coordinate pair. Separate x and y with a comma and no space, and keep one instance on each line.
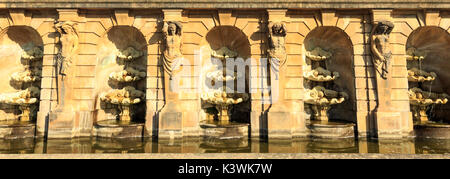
(95,24)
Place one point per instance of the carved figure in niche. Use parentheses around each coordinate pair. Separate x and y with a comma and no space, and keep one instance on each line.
(277,50)
(172,31)
(68,40)
(381,52)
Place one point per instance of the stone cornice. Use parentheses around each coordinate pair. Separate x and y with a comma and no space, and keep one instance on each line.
(245,4)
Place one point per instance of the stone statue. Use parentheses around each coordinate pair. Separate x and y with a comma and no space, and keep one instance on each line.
(277,50)
(68,41)
(172,31)
(381,53)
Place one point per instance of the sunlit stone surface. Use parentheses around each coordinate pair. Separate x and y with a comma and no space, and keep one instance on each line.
(224,75)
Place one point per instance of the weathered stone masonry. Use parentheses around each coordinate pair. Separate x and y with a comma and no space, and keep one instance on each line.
(103,26)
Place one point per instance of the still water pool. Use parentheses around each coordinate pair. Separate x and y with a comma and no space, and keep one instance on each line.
(148,145)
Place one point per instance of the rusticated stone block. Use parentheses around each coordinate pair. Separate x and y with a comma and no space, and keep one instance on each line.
(325,129)
(16,129)
(117,129)
(432,130)
(229,131)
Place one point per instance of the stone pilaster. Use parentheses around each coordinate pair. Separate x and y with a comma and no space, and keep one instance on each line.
(285,117)
(179,117)
(391,120)
(69,118)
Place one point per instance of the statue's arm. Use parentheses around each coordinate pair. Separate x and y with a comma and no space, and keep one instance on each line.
(165,29)
(270,35)
(181,31)
(75,45)
(58,37)
(284,28)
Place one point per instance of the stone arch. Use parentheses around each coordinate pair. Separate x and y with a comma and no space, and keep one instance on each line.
(236,40)
(232,37)
(434,41)
(14,40)
(336,41)
(113,40)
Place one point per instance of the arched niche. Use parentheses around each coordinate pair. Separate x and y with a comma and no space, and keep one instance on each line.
(435,43)
(235,40)
(14,41)
(337,42)
(115,39)
(230,37)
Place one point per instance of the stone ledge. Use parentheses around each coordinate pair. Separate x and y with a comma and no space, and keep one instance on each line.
(273,4)
(225,156)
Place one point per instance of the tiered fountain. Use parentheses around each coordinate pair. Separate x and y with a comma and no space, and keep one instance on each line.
(423,100)
(124,98)
(219,101)
(319,97)
(27,99)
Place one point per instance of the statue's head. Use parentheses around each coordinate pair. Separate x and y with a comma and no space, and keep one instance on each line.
(384,27)
(67,27)
(174,28)
(278,28)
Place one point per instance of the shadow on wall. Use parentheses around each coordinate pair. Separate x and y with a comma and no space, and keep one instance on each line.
(336,41)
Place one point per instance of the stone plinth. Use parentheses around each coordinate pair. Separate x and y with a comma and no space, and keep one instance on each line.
(16,129)
(170,122)
(118,129)
(230,130)
(390,125)
(327,129)
(66,124)
(432,130)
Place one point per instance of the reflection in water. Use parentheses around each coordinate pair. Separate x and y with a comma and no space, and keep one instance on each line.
(196,145)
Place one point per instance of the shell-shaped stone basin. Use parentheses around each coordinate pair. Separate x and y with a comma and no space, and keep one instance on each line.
(128,75)
(321,96)
(318,54)
(424,98)
(222,98)
(125,96)
(321,75)
(416,75)
(23,97)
